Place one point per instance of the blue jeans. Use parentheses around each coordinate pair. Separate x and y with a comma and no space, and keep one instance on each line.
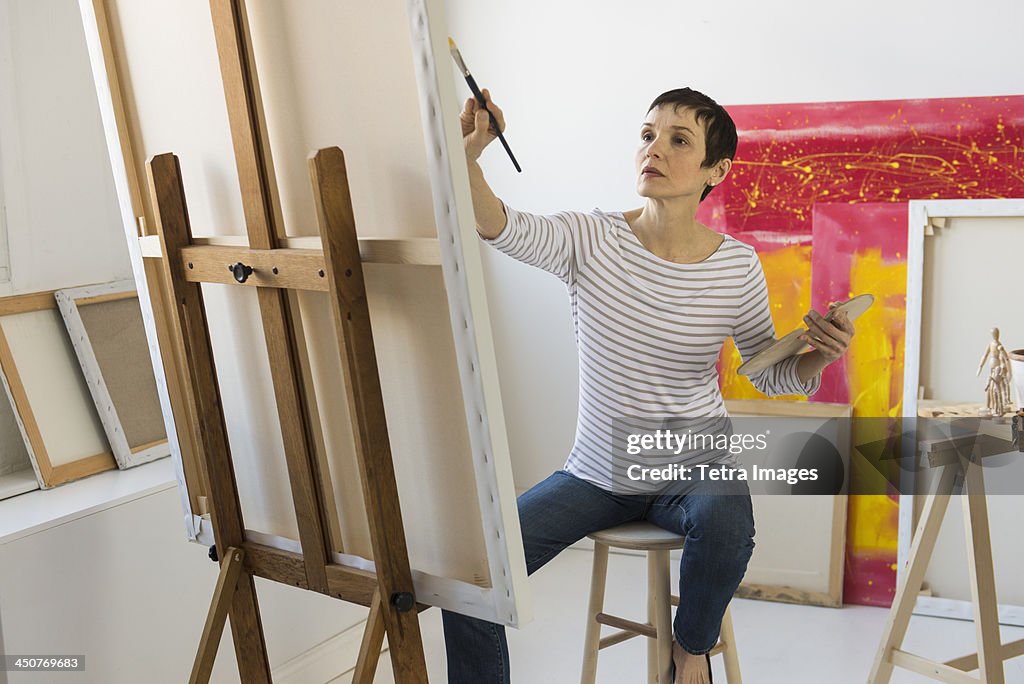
(714,516)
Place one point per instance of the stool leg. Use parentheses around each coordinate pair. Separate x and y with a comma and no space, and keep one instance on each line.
(729,655)
(659,614)
(592,640)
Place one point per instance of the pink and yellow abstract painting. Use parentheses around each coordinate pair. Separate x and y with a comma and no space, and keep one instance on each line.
(821,191)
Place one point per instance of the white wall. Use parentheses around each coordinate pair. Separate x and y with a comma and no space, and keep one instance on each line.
(63,227)
(5,271)
(123,587)
(575,80)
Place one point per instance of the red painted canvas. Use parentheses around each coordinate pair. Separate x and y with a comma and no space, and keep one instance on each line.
(820,190)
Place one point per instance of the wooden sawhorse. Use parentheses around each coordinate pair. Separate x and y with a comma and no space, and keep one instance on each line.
(948,455)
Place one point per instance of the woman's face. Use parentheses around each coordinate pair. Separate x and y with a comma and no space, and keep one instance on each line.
(672,143)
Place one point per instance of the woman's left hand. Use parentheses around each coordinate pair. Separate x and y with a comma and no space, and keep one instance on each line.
(830,338)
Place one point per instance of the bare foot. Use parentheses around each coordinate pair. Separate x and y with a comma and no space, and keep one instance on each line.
(690,669)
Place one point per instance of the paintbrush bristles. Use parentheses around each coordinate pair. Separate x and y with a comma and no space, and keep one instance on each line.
(457,57)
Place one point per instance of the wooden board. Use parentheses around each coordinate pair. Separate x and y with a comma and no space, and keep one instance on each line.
(798,563)
(58,420)
(791,344)
(107,332)
(430,325)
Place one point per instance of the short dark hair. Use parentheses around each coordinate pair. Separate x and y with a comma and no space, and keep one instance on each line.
(719,130)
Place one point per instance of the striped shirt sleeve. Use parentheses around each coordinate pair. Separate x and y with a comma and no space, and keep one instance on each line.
(753,330)
(552,242)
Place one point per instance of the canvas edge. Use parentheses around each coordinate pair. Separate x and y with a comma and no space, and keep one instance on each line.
(467,302)
(195,530)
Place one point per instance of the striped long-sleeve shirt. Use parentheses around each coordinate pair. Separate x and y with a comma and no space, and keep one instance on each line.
(648,331)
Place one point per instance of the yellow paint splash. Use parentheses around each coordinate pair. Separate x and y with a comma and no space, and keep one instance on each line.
(788,273)
(875,376)
(874,366)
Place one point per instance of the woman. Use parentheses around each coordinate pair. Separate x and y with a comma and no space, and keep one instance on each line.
(654,294)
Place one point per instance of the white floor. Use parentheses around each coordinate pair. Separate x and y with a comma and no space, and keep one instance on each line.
(778,643)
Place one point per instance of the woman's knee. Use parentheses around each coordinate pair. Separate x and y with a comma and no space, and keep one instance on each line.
(726,519)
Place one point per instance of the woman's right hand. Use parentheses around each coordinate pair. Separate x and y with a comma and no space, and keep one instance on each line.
(477,132)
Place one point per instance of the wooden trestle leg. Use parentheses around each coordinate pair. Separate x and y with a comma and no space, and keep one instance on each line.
(369,649)
(230,568)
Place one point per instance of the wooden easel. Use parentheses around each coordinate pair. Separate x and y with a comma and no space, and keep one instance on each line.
(337,271)
(955,457)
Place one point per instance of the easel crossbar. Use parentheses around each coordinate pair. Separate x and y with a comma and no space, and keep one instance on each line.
(291,269)
(350,584)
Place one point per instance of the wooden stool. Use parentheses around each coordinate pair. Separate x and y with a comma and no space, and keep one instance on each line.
(657,542)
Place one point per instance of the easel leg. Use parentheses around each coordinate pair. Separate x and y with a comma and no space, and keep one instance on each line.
(203,397)
(369,422)
(369,649)
(223,595)
(982,575)
(910,584)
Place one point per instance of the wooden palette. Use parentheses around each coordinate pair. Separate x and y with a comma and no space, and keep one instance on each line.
(791,344)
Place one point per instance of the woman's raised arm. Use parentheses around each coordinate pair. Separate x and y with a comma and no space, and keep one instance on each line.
(476,135)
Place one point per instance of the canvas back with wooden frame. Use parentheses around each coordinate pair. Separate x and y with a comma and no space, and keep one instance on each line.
(47,390)
(431,333)
(798,563)
(106,329)
(951,305)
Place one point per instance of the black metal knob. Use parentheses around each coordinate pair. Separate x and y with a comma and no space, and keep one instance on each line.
(213,553)
(403,601)
(241,272)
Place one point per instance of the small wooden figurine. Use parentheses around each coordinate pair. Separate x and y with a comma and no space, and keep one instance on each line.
(997,389)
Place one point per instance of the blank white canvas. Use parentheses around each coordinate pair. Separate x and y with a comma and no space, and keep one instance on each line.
(55,386)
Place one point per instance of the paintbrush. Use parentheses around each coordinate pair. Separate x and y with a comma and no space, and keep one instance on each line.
(480,98)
